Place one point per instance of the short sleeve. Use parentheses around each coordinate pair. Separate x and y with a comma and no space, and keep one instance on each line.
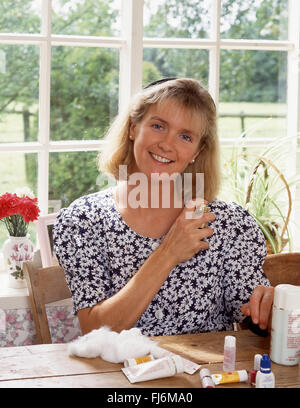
(245,256)
(81,251)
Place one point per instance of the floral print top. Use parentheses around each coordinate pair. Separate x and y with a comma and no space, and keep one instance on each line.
(100,253)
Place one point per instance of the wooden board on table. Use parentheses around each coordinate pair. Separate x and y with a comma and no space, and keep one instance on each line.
(209,348)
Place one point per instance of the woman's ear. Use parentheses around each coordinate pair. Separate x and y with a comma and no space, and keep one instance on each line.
(201,148)
(131,131)
(195,156)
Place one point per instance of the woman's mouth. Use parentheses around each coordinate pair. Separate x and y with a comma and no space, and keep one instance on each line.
(160,158)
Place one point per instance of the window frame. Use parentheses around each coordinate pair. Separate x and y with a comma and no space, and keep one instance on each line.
(131,44)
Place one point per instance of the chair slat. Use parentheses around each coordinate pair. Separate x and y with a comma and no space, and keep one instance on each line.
(45,285)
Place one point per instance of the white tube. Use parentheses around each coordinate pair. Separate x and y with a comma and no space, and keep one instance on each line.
(189,366)
(138,360)
(163,367)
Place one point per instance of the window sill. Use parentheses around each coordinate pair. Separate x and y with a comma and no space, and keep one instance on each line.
(19,298)
(12,298)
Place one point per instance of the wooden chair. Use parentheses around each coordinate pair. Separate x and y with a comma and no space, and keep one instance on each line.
(44,233)
(45,285)
(279,268)
(283,268)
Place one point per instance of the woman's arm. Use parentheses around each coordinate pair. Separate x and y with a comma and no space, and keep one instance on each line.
(123,309)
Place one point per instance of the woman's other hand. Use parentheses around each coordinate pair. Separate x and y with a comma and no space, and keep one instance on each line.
(260,306)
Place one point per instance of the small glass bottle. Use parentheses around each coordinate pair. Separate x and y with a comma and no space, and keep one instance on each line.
(265,378)
(206,379)
(229,353)
(253,373)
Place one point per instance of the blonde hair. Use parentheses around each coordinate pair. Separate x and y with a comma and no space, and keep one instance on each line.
(189,94)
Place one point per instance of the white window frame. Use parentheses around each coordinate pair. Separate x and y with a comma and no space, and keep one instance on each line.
(131,44)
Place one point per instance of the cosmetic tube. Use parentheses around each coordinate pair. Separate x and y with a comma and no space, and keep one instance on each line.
(229,353)
(138,360)
(161,368)
(230,377)
(189,366)
(206,379)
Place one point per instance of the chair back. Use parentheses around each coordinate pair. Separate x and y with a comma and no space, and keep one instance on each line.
(283,268)
(45,285)
(45,238)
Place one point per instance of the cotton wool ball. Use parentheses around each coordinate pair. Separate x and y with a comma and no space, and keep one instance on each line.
(91,344)
(133,346)
(112,346)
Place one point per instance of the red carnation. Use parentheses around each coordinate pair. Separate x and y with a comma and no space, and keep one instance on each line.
(16,212)
(28,209)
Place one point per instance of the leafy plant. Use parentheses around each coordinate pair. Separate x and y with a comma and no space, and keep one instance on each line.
(253,180)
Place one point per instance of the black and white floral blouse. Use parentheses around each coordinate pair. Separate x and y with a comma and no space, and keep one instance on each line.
(100,253)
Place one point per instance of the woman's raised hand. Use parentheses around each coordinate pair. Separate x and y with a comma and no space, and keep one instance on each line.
(185,237)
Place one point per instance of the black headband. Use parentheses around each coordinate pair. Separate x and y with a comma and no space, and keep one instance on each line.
(159,81)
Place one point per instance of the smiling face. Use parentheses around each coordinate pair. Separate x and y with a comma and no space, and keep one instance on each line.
(166,140)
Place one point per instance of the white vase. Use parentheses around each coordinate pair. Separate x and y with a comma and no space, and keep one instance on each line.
(17,250)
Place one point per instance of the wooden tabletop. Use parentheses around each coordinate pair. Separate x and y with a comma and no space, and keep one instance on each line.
(49,365)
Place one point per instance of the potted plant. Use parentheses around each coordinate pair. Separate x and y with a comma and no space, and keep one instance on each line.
(253,180)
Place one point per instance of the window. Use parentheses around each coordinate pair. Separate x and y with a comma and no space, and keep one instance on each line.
(67,66)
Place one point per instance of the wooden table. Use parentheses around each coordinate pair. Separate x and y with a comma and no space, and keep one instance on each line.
(51,366)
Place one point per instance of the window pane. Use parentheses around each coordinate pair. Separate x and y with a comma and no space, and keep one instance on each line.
(77,17)
(253,93)
(159,63)
(72,175)
(19,93)
(20,16)
(259,186)
(254,19)
(17,170)
(236,179)
(173,18)
(84,92)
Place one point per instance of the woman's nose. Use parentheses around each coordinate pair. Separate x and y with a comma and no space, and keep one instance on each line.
(167,143)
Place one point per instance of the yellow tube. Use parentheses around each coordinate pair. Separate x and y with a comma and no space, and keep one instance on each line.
(230,377)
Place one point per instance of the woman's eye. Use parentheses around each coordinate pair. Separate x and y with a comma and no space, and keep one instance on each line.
(157,126)
(187,138)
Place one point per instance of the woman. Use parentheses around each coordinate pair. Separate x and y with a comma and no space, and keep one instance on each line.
(130,259)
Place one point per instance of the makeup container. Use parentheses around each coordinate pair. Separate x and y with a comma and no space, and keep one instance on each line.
(200,209)
(206,379)
(230,377)
(285,334)
(256,368)
(138,360)
(161,368)
(189,366)
(229,353)
(264,377)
